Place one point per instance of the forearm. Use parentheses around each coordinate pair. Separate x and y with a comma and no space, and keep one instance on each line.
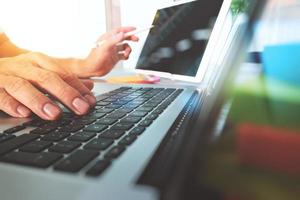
(8,49)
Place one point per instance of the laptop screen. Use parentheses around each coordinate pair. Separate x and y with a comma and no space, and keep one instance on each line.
(179,38)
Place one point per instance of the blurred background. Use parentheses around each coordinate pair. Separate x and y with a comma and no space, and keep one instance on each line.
(69,27)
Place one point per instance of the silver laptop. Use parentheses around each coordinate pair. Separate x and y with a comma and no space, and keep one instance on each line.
(103,155)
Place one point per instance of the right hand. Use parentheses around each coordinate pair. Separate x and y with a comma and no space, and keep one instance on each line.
(22,78)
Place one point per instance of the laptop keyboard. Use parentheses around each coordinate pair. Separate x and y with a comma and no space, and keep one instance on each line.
(90,143)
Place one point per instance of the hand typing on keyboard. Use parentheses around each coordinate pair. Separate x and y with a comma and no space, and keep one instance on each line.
(26,76)
(88,144)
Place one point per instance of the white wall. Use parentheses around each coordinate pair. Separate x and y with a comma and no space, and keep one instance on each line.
(139,13)
(56,27)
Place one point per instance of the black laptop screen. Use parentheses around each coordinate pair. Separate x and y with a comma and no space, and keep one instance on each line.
(178,40)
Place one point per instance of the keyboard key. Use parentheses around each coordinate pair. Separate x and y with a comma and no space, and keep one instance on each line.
(35,123)
(129,119)
(116,115)
(120,103)
(144,109)
(102,97)
(68,116)
(125,110)
(132,105)
(157,111)
(112,134)
(152,116)
(16,142)
(95,128)
(76,161)
(95,115)
(127,140)
(102,103)
(14,129)
(112,99)
(137,131)
(84,121)
(65,147)
(55,136)
(138,114)
(72,128)
(35,146)
(151,105)
(113,106)
(104,110)
(98,168)
(145,123)
(115,152)
(121,126)
(5,137)
(106,121)
(99,144)
(82,136)
(42,131)
(42,160)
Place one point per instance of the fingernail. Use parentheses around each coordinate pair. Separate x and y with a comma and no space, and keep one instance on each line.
(51,110)
(91,99)
(81,106)
(23,111)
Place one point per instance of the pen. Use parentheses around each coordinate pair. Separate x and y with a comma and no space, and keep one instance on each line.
(137,31)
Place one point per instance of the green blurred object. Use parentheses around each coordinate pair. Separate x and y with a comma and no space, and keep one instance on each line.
(267,101)
(238,6)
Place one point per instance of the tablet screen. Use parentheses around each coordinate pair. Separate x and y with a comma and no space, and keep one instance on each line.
(177,41)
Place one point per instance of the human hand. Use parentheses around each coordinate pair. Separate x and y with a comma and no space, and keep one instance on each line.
(24,77)
(109,51)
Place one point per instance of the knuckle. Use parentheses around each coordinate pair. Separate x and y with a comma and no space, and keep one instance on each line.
(63,93)
(17,85)
(69,77)
(7,103)
(36,101)
(37,55)
(47,77)
(4,102)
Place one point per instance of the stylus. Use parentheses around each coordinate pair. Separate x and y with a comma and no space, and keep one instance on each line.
(137,31)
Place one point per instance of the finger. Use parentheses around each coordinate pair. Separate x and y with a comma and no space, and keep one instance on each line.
(124,55)
(25,93)
(11,106)
(127,29)
(62,91)
(124,29)
(83,90)
(133,38)
(71,80)
(114,40)
(122,46)
(57,87)
(88,83)
(68,77)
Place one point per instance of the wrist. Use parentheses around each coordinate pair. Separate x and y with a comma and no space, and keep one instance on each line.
(74,65)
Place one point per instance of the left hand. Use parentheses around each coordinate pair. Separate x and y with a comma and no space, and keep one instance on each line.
(110,50)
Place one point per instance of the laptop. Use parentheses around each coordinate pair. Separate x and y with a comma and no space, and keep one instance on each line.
(183,40)
(112,153)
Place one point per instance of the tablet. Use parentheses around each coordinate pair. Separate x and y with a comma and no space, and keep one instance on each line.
(183,39)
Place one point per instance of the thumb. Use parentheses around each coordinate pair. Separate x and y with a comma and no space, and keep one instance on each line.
(115,39)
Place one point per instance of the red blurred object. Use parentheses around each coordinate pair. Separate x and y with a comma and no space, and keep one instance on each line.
(269,148)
